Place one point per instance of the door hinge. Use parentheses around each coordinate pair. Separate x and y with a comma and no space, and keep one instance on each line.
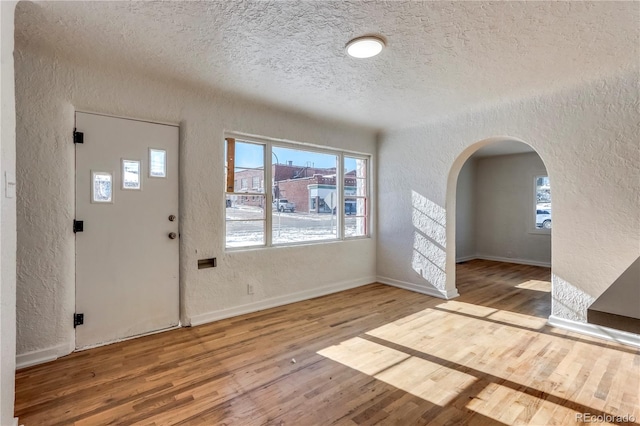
(78,226)
(78,319)
(78,137)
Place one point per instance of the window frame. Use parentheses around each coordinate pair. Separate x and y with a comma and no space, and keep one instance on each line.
(269,144)
(531,226)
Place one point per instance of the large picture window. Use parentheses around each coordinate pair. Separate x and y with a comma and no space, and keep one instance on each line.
(301,203)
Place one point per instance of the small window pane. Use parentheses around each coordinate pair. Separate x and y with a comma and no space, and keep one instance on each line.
(355,226)
(244,207)
(157,163)
(249,167)
(131,174)
(245,233)
(355,167)
(101,187)
(543,202)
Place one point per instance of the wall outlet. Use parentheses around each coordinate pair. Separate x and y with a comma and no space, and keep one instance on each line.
(249,289)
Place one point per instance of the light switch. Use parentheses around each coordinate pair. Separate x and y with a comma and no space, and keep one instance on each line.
(9,185)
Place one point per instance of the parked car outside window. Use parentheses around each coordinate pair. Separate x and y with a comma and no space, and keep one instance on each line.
(543,219)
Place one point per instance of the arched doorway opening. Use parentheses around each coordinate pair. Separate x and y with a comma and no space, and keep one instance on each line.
(498,209)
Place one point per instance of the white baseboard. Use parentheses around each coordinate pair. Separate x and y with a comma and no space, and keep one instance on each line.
(43,355)
(278,301)
(605,333)
(15,421)
(418,288)
(466,258)
(512,260)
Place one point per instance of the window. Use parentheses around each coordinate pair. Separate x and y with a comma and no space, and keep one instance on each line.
(245,213)
(308,178)
(307,187)
(356,196)
(157,163)
(542,203)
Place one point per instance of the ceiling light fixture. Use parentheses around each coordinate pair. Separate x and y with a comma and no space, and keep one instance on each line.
(365,47)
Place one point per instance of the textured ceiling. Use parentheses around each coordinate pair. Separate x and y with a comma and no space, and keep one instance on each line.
(442,58)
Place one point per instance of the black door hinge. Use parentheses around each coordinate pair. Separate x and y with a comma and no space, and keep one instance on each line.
(78,319)
(78,137)
(78,226)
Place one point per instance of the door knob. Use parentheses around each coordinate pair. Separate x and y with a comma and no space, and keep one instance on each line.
(172,218)
(172,235)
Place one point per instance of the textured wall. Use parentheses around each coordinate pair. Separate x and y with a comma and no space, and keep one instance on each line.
(587,137)
(49,89)
(8,219)
(504,214)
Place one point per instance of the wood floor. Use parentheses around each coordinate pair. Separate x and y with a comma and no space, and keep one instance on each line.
(372,355)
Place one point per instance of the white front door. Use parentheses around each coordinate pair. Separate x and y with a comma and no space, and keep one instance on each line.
(127,251)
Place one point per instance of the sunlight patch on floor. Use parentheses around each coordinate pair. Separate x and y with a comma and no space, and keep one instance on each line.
(424,379)
(544,286)
(510,406)
(520,320)
(365,356)
(507,317)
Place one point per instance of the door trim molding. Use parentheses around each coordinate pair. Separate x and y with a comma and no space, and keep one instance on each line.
(162,123)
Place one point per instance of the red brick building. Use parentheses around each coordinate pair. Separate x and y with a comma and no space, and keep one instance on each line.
(306,187)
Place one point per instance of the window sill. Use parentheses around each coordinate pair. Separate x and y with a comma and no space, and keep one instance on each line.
(539,232)
(296,244)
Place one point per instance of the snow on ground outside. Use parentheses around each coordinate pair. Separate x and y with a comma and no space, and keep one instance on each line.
(244,230)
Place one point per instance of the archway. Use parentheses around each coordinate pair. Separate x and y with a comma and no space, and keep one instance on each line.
(513,167)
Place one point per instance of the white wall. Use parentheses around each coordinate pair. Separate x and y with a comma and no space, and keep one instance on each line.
(466,212)
(587,137)
(504,210)
(49,90)
(7,218)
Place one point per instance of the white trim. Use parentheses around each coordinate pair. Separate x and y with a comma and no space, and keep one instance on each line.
(41,356)
(15,421)
(466,258)
(286,143)
(418,288)
(143,120)
(514,260)
(605,333)
(278,301)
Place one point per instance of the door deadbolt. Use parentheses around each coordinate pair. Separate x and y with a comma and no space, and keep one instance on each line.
(172,218)
(172,235)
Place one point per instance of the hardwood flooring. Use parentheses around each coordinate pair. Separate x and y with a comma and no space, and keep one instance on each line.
(371,355)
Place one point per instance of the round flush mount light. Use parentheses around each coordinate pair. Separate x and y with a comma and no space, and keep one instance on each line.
(365,47)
